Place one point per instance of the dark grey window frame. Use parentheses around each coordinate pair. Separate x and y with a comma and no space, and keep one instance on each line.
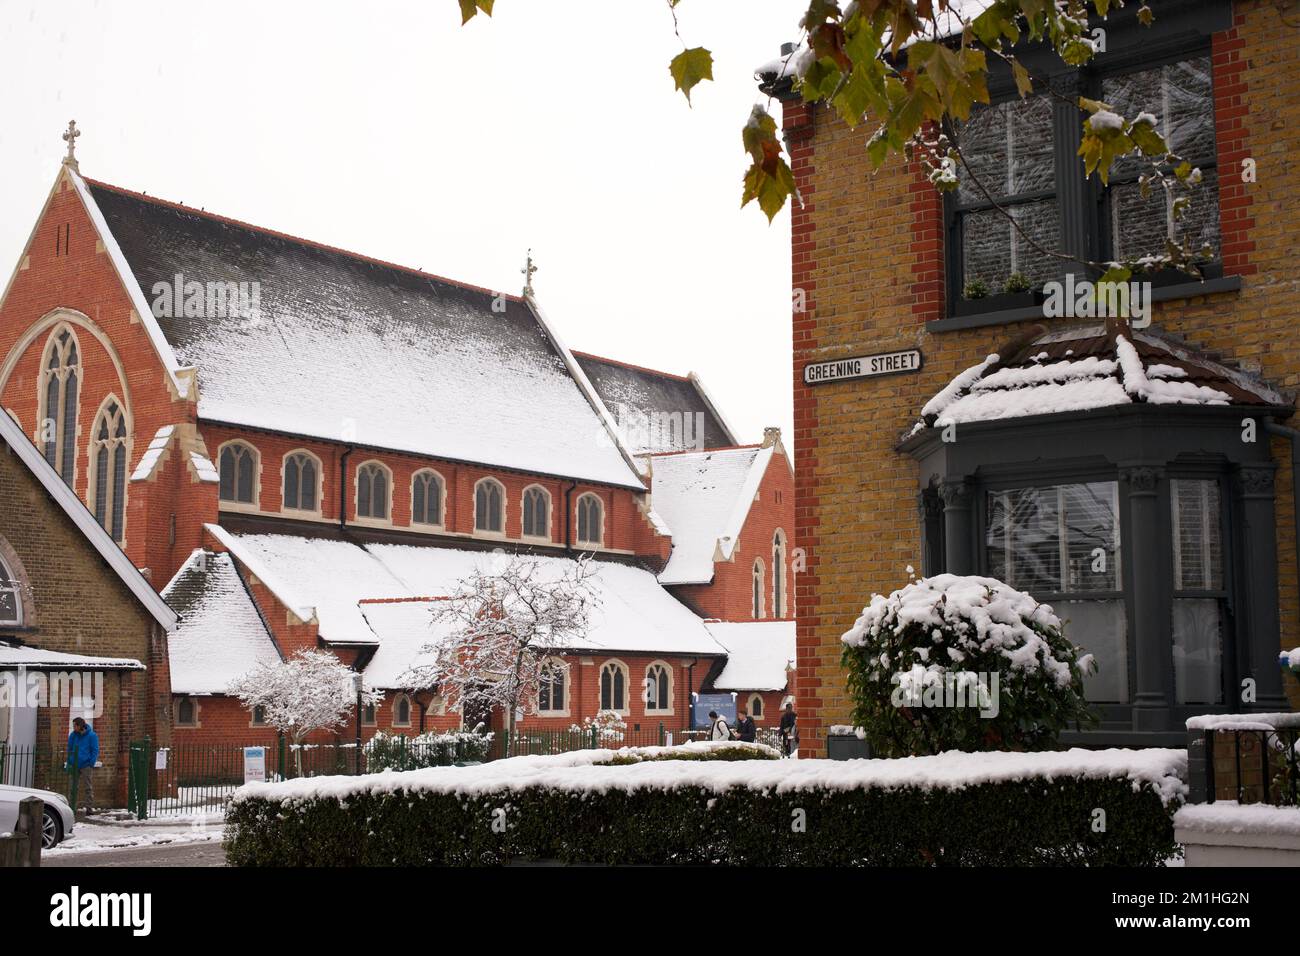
(1143,447)
(1181,31)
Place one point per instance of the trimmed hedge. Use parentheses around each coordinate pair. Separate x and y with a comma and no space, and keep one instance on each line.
(1012,823)
(393,752)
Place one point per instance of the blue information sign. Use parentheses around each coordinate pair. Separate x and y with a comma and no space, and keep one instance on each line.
(724,704)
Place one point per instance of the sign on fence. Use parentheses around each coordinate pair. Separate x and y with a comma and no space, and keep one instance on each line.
(254,764)
(160,759)
(724,704)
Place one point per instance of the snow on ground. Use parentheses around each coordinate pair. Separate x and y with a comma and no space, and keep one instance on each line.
(1229,816)
(93,836)
(590,770)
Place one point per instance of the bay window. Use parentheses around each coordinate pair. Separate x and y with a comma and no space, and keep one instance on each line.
(1061,543)
(1199,591)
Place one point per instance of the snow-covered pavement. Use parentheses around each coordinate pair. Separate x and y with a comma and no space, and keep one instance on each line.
(100,836)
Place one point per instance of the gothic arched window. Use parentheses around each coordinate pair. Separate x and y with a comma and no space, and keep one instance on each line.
(372,491)
(537,513)
(590,520)
(301,477)
(108,468)
(238,468)
(489,506)
(426,498)
(60,381)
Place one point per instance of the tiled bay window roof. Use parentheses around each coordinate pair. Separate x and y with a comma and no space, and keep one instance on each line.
(1093,366)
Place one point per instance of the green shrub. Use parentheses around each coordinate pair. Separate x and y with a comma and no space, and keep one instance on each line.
(398,752)
(1034,821)
(1017,282)
(975,289)
(962,663)
(731,750)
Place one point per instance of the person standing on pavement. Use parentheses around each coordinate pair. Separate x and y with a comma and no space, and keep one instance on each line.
(746,731)
(718,730)
(83,755)
(789,733)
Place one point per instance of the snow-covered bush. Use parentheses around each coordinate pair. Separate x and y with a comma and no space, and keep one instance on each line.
(649,806)
(609,725)
(310,691)
(1290,661)
(962,663)
(397,752)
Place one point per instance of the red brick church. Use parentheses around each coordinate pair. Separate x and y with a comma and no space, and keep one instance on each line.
(300,446)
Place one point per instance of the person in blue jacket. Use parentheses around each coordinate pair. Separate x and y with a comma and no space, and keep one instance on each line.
(83,754)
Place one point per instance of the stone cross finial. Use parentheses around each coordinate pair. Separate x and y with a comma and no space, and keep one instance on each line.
(771,435)
(70,137)
(528,270)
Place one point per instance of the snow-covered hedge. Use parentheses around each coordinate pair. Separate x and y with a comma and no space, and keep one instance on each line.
(396,752)
(1072,807)
(962,663)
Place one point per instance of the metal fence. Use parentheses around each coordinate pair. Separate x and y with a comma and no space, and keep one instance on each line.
(36,767)
(197,778)
(1249,766)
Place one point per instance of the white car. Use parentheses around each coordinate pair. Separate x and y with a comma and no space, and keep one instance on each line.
(57,819)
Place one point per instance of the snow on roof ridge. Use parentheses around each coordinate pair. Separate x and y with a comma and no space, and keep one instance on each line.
(704,451)
(1185,352)
(228,220)
(714,407)
(304,612)
(76,509)
(960,382)
(636,368)
(182,377)
(1157,391)
(588,390)
(736,523)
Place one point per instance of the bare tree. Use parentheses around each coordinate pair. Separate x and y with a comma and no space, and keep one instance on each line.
(502,625)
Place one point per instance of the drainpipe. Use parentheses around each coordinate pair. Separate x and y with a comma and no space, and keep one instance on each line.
(690,696)
(1291,435)
(343,488)
(568,515)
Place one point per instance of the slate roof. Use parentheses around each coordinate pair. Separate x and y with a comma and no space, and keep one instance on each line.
(344,347)
(221,636)
(634,394)
(1094,366)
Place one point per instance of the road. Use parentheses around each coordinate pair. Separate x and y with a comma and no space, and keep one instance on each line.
(159,854)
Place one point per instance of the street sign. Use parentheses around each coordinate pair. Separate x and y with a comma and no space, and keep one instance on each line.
(862,366)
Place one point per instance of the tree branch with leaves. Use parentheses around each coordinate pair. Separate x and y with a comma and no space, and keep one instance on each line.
(912,71)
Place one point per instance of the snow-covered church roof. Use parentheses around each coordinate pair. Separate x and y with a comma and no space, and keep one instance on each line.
(656,411)
(221,636)
(705,498)
(1093,366)
(759,654)
(381,596)
(342,347)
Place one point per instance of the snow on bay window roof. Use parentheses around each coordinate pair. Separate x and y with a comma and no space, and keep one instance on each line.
(1088,367)
(220,637)
(297,337)
(705,498)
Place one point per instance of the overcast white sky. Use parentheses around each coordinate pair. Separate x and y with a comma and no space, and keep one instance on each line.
(388,129)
